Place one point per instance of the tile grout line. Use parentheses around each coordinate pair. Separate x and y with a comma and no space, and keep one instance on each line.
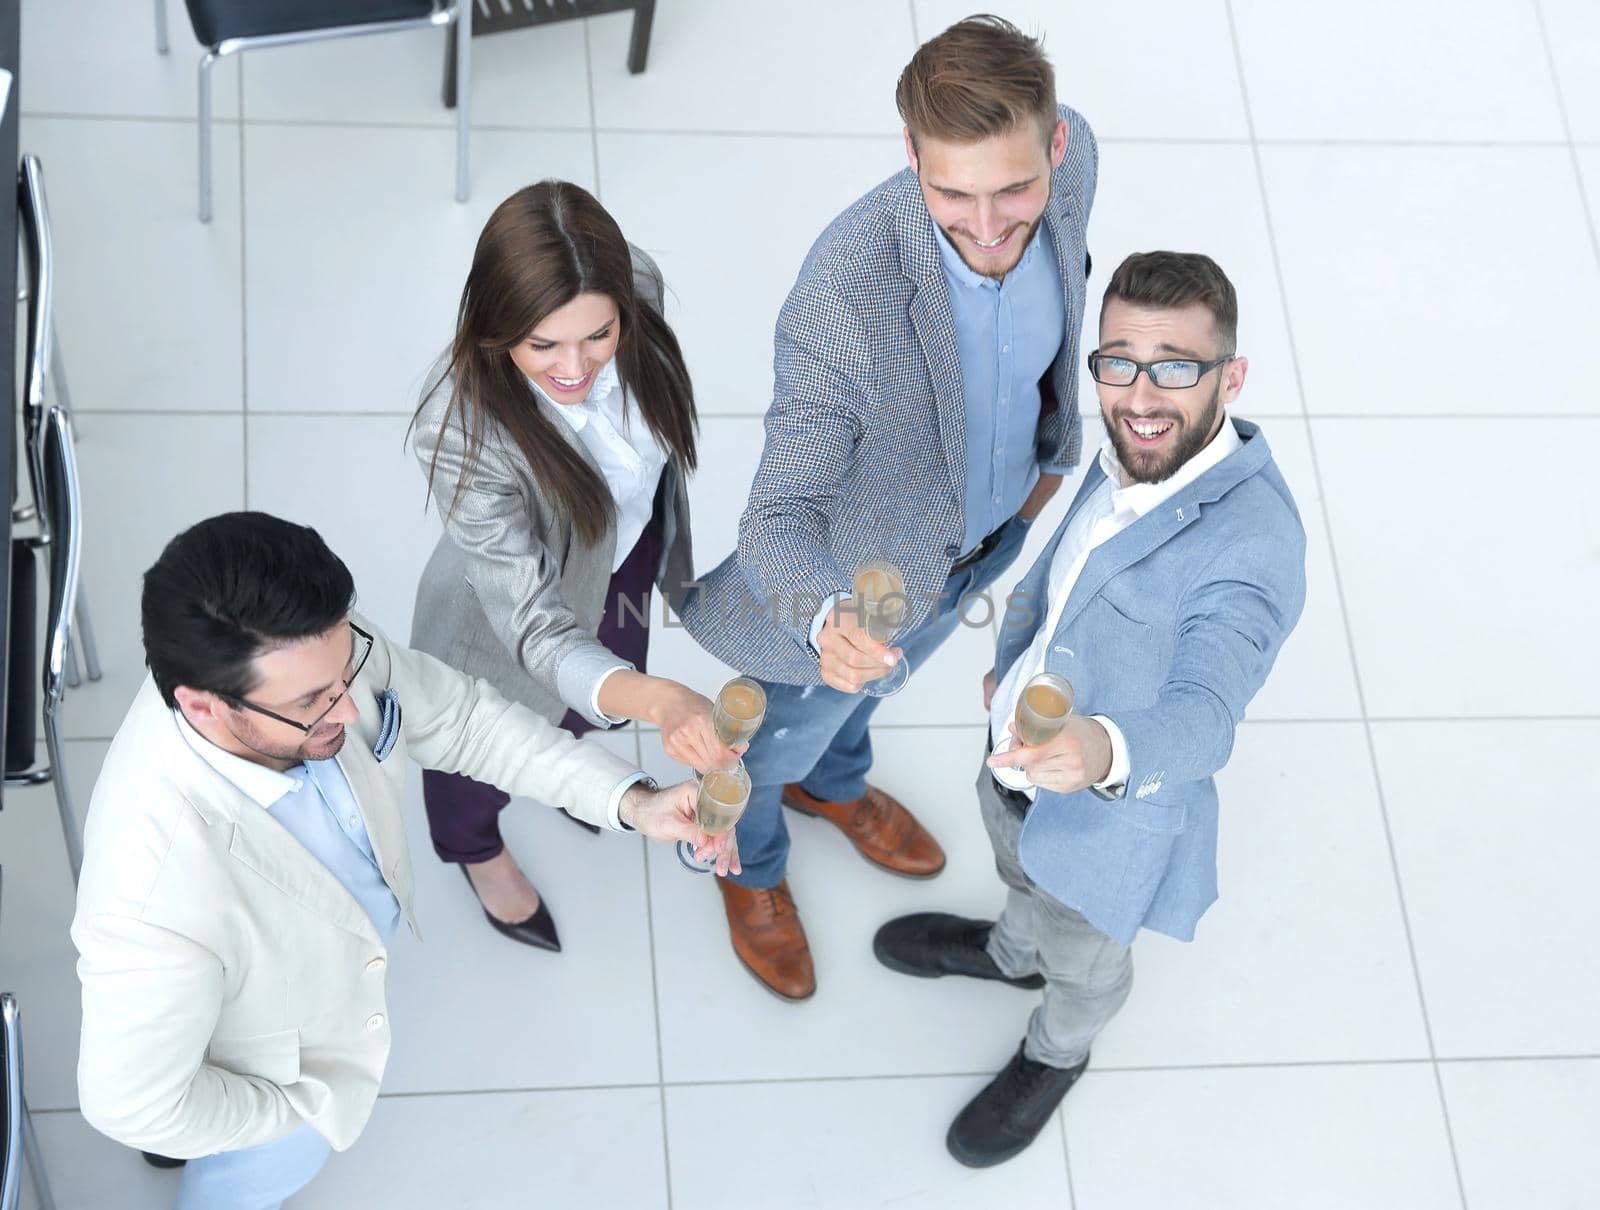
(1338,583)
(904,1077)
(1381,720)
(916,38)
(673,131)
(594,134)
(655,989)
(1066,1156)
(244,318)
(389,414)
(1566,126)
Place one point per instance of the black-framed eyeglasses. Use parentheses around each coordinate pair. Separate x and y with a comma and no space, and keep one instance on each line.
(357,638)
(1172,374)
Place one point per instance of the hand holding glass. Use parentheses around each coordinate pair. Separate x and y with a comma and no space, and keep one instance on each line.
(1042,708)
(880,597)
(740,709)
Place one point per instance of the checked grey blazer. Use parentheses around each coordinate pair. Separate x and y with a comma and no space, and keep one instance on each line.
(511,593)
(865,453)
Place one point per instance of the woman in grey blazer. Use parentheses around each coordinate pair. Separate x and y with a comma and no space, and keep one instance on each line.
(556,435)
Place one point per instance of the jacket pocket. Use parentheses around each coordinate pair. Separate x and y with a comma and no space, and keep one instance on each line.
(274,1057)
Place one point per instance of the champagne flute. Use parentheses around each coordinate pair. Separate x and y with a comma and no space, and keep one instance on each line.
(724,795)
(740,709)
(880,595)
(1042,708)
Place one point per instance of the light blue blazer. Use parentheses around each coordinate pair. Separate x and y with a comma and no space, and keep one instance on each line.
(1169,631)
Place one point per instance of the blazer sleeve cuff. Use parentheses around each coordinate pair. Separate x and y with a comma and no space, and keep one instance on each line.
(578,679)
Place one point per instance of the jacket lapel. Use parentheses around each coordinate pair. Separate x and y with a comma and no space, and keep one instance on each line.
(935,325)
(1164,522)
(262,843)
(1067,237)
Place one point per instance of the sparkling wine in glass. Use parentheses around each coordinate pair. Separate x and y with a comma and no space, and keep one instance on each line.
(724,795)
(739,711)
(1042,708)
(880,594)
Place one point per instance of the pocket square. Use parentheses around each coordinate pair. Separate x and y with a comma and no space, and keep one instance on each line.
(389,729)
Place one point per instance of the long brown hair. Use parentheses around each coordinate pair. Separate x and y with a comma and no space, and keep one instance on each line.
(541,248)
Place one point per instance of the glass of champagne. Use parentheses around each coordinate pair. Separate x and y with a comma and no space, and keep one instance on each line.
(1042,708)
(880,595)
(741,707)
(724,795)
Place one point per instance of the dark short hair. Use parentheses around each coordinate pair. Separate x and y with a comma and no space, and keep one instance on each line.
(230,588)
(1178,279)
(982,77)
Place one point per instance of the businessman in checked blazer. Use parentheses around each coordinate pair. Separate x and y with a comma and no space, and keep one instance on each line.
(246,862)
(925,409)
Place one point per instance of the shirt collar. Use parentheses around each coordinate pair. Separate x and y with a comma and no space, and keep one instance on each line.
(577,415)
(261,785)
(1142,497)
(962,274)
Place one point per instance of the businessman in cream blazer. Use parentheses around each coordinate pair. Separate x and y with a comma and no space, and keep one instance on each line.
(246,863)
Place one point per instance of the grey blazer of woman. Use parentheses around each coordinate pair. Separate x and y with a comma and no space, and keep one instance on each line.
(512,594)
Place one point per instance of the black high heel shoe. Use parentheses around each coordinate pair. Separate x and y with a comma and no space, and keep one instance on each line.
(538,930)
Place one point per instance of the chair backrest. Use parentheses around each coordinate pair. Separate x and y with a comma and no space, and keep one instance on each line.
(10,1104)
(35,216)
(62,508)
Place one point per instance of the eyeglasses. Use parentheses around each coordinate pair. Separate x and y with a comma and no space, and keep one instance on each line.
(1172,375)
(356,665)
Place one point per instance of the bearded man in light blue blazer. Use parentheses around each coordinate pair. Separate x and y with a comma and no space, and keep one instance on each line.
(1163,600)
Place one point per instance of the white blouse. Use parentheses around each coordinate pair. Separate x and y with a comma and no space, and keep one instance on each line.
(626,450)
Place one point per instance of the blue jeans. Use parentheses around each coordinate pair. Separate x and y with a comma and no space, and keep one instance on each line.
(253,1178)
(817,736)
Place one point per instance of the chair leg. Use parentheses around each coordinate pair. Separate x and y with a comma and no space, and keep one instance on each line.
(161,27)
(639,43)
(83,633)
(206,62)
(35,1162)
(71,832)
(71,670)
(463,33)
(448,91)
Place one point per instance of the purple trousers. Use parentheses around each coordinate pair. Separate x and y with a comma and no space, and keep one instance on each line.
(463,814)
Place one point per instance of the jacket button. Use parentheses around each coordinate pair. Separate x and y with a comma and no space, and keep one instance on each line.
(952,551)
(375,1022)
(377,964)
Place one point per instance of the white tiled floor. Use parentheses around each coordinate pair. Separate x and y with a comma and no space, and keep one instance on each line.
(1391,1005)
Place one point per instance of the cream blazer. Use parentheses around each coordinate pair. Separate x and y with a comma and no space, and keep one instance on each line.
(232,987)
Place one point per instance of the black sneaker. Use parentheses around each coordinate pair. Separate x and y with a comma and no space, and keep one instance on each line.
(931,944)
(1005,1117)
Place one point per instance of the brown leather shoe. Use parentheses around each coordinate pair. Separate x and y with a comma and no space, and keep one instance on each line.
(883,831)
(768,938)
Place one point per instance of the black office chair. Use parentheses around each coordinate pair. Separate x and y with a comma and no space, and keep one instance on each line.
(53,470)
(45,380)
(498,16)
(228,27)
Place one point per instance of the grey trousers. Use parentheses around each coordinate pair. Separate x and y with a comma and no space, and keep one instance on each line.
(1087,975)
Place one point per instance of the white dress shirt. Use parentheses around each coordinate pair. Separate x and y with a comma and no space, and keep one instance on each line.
(630,459)
(1111,508)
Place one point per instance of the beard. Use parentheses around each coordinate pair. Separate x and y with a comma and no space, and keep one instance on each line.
(1188,439)
(1015,249)
(308,748)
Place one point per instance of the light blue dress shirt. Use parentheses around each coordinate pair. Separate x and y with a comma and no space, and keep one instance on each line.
(315,804)
(1007,334)
(321,813)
